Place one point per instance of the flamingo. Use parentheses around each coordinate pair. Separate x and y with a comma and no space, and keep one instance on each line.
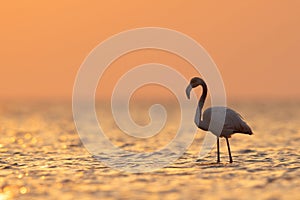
(233,123)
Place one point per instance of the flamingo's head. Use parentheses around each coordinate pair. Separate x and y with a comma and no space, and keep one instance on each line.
(193,83)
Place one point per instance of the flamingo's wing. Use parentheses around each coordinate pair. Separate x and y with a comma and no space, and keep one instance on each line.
(233,123)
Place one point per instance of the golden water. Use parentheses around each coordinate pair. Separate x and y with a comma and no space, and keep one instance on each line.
(43,158)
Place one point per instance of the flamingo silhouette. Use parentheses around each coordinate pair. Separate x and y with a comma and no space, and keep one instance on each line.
(234,122)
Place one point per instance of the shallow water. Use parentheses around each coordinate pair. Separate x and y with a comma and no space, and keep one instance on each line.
(42,157)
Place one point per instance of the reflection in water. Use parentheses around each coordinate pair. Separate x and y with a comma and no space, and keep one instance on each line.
(43,158)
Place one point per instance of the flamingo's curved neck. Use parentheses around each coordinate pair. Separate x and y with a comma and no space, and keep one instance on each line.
(198,119)
(203,96)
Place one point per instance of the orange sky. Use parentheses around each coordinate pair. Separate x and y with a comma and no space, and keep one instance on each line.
(255,44)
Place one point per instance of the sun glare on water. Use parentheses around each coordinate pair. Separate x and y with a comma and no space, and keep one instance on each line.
(4,196)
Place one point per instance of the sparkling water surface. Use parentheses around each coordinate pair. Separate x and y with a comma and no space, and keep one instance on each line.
(42,157)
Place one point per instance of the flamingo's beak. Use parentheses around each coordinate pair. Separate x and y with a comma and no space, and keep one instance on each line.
(188,91)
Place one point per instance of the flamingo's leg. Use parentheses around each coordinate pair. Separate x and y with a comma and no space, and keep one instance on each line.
(228,146)
(218,150)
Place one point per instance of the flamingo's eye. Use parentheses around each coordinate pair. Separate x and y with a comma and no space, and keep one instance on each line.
(193,83)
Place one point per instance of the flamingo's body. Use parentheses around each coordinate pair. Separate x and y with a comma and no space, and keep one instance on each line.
(233,123)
